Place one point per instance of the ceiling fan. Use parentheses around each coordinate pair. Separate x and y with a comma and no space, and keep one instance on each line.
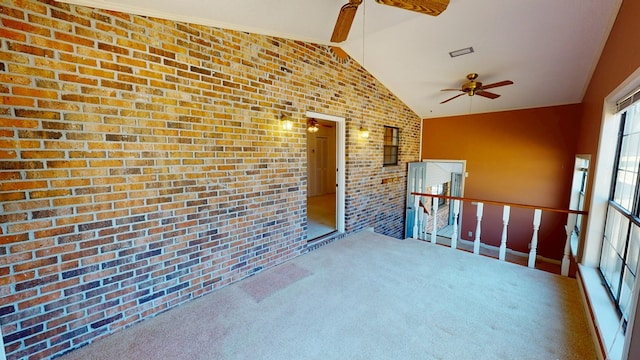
(348,12)
(473,87)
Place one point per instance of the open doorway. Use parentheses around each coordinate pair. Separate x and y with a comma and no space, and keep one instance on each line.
(578,195)
(439,177)
(325,176)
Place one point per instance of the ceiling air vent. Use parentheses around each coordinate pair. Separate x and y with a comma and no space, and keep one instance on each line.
(461,52)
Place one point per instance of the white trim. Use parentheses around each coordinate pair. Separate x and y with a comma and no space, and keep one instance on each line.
(340,164)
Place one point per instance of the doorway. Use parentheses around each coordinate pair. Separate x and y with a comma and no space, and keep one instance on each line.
(325,177)
(578,195)
(440,177)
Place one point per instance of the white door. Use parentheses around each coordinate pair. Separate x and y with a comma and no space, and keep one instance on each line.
(336,165)
(416,182)
(323,172)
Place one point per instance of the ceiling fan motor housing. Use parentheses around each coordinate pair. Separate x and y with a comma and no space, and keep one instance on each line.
(472,87)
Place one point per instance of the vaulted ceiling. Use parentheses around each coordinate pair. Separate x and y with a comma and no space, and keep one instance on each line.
(548,48)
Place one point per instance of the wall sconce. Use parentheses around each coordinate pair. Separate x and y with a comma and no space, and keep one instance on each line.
(364,132)
(286,122)
(313,126)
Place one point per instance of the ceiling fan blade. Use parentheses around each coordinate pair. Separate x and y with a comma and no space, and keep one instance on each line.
(450,90)
(495,85)
(487,94)
(449,99)
(429,7)
(345,19)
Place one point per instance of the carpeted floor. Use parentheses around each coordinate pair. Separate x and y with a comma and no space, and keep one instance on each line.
(369,296)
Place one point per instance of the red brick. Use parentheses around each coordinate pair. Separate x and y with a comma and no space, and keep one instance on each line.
(30,50)
(17,101)
(23,185)
(40,300)
(26,27)
(8,239)
(74,39)
(31,92)
(12,35)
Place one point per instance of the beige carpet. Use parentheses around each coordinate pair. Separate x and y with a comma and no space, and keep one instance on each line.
(369,296)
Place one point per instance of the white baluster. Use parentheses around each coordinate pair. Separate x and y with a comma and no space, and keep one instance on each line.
(505,222)
(416,215)
(434,231)
(456,212)
(476,243)
(537,215)
(425,223)
(571,224)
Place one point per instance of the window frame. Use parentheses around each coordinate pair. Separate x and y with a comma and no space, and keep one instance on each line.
(616,238)
(391,159)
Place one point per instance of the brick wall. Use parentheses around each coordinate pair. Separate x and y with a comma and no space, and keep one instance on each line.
(142,164)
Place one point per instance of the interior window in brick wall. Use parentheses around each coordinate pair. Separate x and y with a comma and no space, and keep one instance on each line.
(391,142)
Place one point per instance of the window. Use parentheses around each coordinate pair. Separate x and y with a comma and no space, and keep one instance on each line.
(391,141)
(621,242)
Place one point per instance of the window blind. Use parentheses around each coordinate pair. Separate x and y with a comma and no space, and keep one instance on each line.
(628,100)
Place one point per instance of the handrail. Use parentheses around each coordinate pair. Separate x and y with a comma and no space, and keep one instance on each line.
(501,203)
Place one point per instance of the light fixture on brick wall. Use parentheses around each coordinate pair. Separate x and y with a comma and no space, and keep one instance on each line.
(286,122)
(364,132)
(313,126)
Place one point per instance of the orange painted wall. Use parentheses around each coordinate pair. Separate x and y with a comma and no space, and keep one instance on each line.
(620,58)
(523,156)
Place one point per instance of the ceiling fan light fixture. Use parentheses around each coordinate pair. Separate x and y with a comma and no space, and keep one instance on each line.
(460,52)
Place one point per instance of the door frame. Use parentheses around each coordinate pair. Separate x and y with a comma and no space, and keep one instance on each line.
(340,164)
(463,179)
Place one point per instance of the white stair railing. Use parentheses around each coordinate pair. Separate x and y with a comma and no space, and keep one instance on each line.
(533,252)
(416,216)
(434,220)
(424,230)
(454,235)
(506,211)
(571,224)
(476,242)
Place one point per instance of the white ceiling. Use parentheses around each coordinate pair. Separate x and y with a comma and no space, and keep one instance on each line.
(548,48)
